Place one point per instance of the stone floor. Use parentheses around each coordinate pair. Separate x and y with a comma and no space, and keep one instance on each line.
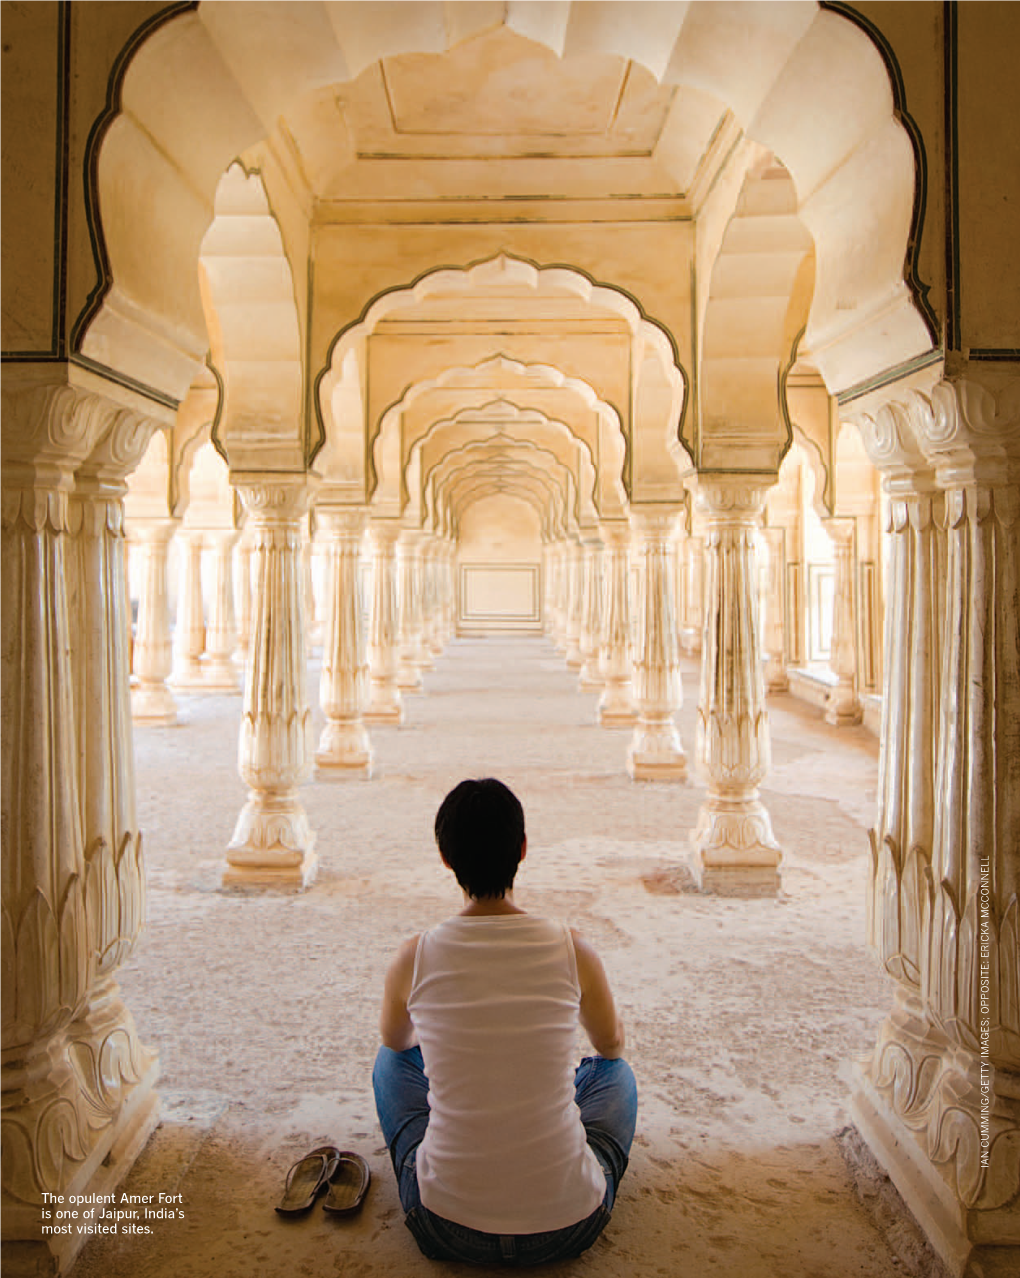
(742,1016)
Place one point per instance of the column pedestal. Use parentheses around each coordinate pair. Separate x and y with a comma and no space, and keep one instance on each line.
(737,854)
(273,844)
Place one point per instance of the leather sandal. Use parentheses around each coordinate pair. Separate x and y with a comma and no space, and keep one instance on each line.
(348,1184)
(307,1178)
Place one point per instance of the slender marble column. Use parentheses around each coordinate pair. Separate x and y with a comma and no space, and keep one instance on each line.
(189,633)
(409,650)
(591,613)
(273,844)
(776,678)
(737,852)
(344,747)
(656,752)
(77,1086)
(690,633)
(843,708)
(242,598)
(221,632)
(575,604)
(939,1100)
(616,705)
(152,702)
(432,599)
(385,703)
(557,590)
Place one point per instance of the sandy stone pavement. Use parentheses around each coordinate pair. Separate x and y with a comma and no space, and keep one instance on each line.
(742,1016)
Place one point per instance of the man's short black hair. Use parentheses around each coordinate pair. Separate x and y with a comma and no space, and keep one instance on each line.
(480,832)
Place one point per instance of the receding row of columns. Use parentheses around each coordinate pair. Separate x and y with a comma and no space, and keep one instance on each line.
(627,636)
(619,602)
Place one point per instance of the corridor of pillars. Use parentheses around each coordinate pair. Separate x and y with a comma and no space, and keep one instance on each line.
(625,602)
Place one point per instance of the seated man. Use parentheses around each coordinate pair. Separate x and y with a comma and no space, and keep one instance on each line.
(503,1151)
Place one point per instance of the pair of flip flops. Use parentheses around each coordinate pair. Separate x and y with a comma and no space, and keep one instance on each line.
(343,1175)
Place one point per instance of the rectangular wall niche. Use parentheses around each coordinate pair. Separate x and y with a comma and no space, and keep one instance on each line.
(496,597)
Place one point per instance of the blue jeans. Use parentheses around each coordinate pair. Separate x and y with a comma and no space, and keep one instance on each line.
(606,1095)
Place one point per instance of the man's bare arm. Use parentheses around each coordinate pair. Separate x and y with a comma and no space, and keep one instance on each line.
(395,1026)
(598,1011)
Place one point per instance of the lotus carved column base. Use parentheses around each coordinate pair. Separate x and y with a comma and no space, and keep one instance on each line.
(575,657)
(77,1111)
(385,704)
(776,678)
(948,1134)
(153,704)
(616,705)
(843,707)
(656,753)
(409,676)
(189,676)
(590,676)
(273,844)
(344,750)
(737,854)
(221,676)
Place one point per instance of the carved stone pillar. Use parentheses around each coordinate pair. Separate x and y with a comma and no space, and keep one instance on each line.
(591,613)
(221,632)
(77,1086)
(575,603)
(690,630)
(152,702)
(737,852)
(242,597)
(189,632)
(843,707)
(557,595)
(313,631)
(385,703)
(656,752)
(616,705)
(344,747)
(410,613)
(432,599)
(939,1100)
(774,645)
(273,844)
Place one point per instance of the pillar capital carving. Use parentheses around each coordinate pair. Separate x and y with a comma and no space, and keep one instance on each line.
(654,521)
(739,498)
(615,533)
(386,532)
(972,435)
(275,497)
(342,521)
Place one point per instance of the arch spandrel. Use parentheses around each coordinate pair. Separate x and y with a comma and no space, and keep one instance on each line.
(252,317)
(183,114)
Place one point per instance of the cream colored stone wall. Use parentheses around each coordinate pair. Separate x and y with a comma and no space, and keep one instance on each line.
(499,567)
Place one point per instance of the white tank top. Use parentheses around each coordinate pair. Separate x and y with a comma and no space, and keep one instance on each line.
(494,1000)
